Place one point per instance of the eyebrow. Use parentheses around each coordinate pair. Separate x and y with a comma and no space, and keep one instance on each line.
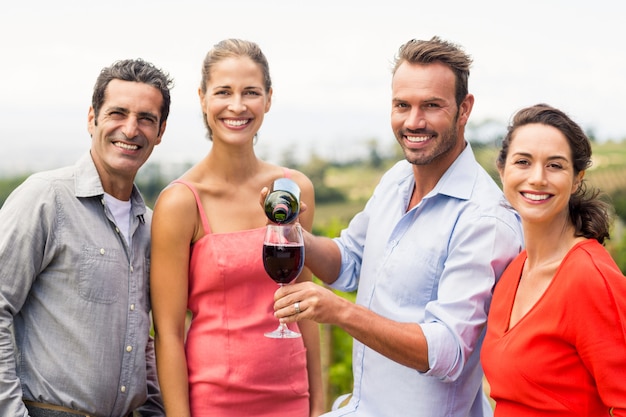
(117,109)
(550,158)
(228,87)
(433,99)
(126,112)
(148,114)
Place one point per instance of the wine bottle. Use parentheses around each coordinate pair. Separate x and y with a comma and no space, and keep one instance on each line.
(282,203)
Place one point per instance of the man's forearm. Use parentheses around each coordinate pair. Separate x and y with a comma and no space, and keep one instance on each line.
(401,342)
(322,257)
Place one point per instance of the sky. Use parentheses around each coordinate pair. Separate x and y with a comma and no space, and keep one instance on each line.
(330,63)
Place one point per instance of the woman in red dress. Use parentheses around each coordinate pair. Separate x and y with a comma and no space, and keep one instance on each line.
(556,333)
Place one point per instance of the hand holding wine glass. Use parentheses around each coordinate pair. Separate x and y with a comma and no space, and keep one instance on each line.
(283,259)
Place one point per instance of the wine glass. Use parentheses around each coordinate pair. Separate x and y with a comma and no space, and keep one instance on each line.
(283,259)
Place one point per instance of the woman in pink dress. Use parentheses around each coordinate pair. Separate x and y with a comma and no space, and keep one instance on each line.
(556,332)
(207,240)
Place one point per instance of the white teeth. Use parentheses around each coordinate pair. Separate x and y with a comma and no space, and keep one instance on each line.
(536,197)
(236,123)
(417,139)
(126,146)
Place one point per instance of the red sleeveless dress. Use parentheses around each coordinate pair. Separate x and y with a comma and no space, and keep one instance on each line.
(234,370)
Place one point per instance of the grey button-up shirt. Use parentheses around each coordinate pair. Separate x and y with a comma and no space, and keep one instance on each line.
(74,303)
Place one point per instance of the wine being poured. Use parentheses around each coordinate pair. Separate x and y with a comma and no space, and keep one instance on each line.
(282,203)
(283,259)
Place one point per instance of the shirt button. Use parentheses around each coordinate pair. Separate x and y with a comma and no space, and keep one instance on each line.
(101,251)
(129,348)
(132,307)
(132,268)
(123,388)
(117,229)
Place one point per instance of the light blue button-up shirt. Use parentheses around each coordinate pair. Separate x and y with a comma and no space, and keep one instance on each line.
(75,295)
(435,265)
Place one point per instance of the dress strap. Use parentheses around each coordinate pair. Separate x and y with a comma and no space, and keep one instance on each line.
(205,222)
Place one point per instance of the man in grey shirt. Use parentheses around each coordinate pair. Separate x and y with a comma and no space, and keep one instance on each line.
(75,258)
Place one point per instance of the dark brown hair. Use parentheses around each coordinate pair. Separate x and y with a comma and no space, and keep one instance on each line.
(589,214)
(437,50)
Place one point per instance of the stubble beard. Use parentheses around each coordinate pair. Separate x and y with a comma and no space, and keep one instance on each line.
(445,142)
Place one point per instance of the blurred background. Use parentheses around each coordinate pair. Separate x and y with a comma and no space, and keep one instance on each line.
(330,63)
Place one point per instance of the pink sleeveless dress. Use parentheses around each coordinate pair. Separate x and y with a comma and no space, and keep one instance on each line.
(234,370)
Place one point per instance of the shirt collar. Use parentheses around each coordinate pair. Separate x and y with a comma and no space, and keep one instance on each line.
(86,179)
(458,180)
(88,184)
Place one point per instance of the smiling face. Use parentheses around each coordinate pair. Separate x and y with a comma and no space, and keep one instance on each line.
(425,118)
(538,174)
(125,132)
(235,101)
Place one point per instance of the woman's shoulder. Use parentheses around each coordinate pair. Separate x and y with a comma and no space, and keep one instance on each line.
(300,178)
(589,265)
(177,196)
(589,253)
(592,287)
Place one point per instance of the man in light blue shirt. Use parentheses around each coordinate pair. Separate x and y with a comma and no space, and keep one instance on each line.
(424,254)
(75,258)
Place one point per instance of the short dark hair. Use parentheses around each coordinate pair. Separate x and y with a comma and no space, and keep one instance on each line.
(437,50)
(136,70)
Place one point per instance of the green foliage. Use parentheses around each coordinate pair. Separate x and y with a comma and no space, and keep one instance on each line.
(618,199)
(325,194)
(316,169)
(340,379)
(486,157)
(618,252)
(150,182)
(339,363)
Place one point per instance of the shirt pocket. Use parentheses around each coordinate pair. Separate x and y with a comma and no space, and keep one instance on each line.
(102,275)
(413,278)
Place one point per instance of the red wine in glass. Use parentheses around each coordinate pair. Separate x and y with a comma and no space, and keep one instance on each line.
(283,263)
(283,259)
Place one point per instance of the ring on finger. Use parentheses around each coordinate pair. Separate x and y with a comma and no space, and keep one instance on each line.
(296,307)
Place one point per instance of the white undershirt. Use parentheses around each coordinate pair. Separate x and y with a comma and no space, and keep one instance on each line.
(121,213)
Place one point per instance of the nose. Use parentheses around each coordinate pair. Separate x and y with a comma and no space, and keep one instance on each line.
(236,104)
(537,175)
(415,120)
(130,127)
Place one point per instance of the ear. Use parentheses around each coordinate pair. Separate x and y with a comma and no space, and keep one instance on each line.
(161,132)
(501,174)
(465,109)
(269,100)
(91,121)
(578,180)
(201,97)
